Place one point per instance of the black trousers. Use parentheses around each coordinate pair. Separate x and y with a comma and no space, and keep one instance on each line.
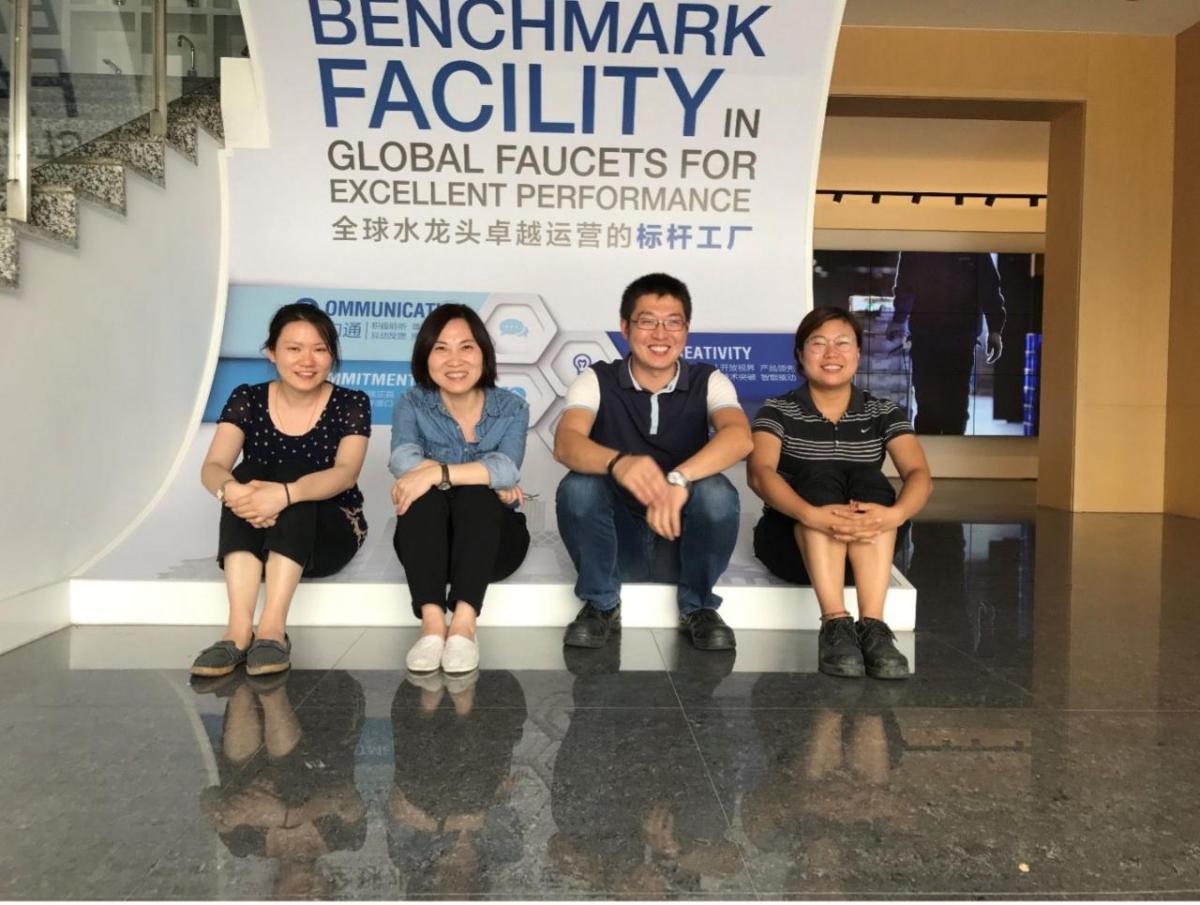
(826,484)
(464,537)
(941,374)
(321,535)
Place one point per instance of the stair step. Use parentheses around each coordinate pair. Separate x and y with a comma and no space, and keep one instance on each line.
(136,129)
(202,109)
(145,156)
(9,256)
(186,116)
(95,169)
(53,215)
(102,181)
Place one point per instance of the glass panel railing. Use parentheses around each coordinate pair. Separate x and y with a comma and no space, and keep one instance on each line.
(5,79)
(92,68)
(199,33)
(89,72)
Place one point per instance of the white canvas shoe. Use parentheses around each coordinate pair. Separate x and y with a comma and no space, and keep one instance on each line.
(426,654)
(460,655)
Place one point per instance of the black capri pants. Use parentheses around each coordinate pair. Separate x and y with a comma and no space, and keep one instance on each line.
(464,537)
(320,535)
(823,484)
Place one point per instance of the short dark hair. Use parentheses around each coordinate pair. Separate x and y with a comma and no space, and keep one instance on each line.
(431,329)
(816,319)
(311,314)
(655,284)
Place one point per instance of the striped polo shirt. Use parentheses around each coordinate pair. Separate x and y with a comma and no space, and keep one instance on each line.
(858,438)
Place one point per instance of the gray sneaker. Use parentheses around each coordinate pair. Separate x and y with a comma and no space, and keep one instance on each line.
(219,659)
(266,656)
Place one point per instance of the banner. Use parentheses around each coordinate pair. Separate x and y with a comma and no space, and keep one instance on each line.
(530,158)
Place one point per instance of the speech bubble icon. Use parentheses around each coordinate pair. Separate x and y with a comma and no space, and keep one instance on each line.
(511,326)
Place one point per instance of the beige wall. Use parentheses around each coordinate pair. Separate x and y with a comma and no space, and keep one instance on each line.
(933,155)
(1183,399)
(1103,432)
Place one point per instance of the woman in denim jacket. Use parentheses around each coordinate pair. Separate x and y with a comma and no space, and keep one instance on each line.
(457,446)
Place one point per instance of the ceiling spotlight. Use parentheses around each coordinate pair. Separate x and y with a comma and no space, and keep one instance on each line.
(837,197)
(958,200)
(916,199)
(1033,200)
(990,200)
(876,198)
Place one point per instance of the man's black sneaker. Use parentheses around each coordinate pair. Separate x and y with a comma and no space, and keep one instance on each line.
(592,627)
(707,630)
(879,653)
(838,652)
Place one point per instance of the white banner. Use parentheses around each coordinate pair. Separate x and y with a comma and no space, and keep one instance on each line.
(531,158)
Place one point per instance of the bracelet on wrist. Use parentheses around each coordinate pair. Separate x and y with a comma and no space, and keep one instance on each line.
(612,463)
(287,493)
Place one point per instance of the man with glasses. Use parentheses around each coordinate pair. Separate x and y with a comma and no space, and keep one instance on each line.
(645,499)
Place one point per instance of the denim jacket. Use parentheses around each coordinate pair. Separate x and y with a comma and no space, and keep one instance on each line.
(422,428)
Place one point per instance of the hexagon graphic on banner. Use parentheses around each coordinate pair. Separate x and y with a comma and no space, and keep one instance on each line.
(528,383)
(549,421)
(571,353)
(520,324)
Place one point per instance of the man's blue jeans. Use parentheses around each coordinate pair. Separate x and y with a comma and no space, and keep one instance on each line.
(609,540)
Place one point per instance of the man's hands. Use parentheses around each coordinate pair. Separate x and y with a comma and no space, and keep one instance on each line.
(665,517)
(853,523)
(995,347)
(258,502)
(642,477)
(414,484)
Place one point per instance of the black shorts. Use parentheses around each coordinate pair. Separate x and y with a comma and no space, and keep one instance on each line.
(830,483)
(826,484)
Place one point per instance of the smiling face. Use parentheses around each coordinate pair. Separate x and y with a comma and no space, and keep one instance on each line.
(456,361)
(656,332)
(301,356)
(830,355)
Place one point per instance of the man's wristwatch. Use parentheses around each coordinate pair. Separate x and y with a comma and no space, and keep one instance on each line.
(444,484)
(678,479)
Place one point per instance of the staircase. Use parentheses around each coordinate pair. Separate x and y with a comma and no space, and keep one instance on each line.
(95,171)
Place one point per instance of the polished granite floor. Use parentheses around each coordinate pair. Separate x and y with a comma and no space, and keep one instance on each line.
(1047,746)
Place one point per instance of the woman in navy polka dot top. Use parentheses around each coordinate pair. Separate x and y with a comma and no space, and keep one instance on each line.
(292,506)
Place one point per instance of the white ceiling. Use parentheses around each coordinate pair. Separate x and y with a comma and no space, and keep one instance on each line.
(1145,17)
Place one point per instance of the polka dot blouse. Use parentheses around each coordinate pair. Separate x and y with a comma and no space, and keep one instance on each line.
(347,413)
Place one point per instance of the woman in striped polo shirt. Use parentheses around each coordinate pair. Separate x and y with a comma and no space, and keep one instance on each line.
(817,459)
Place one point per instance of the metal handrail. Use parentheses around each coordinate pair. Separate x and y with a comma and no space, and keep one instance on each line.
(18,187)
(158,116)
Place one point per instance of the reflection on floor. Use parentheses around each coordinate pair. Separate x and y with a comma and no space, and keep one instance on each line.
(1046,746)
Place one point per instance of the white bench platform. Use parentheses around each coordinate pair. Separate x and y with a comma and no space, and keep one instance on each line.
(164,571)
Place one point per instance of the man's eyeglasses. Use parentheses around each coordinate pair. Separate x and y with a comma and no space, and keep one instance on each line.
(819,344)
(672,324)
